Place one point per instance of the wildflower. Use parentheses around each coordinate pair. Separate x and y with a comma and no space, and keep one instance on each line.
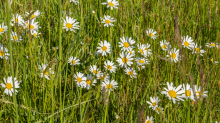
(165,45)
(31,25)
(117,117)
(188,92)
(45,72)
(3,52)
(131,72)
(90,81)
(125,59)
(70,24)
(74,1)
(15,37)
(109,85)
(101,76)
(125,44)
(131,51)
(35,33)
(17,19)
(151,33)
(107,20)
(140,67)
(34,15)
(211,45)
(149,119)
(199,93)
(198,50)
(141,61)
(111,3)
(8,85)
(80,80)
(213,61)
(144,49)
(109,65)
(158,109)
(105,47)
(73,61)
(174,55)
(188,42)
(154,102)
(3,28)
(173,93)
(55,48)
(94,70)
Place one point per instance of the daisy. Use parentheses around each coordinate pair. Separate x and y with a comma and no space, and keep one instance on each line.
(141,48)
(173,93)
(34,15)
(31,25)
(3,52)
(174,55)
(15,37)
(107,20)
(199,93)
(147,51)
(73,61)
(125,59)
(131,51)
(213,61)
(198,50)
(35,33)
(188,92)
(211,45)
(165,45)
(149,119)
(3,28)
(80,79)
(131,72)
(109,65)
(140,67)
(70,24)
(125,44)
(151,33)
(101,76)
(17,19)
(109,85)
(74,1)
(55,48)
(90,81)
(105,47)
(45,71)
(8,85)
(154,102)
(141,61)
(187,42)
(158,109)
(94,70)
(111,3)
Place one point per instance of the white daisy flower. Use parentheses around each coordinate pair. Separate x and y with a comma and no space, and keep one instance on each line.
(149,119)
(3,28)
(105,47)
(80,80)
(131,72)
(198,50)
(151,33)
(31,25)
(8,85)
(173,93)
(109,85)
(174,55)
(17,19)
(3,52)
(144,49)
(199,93)
(109,65)
(153,102)
(55,48)
(141,61)
(213,61)
(90,81)
(188,42)
(74,1)
(93,11)
(158,109)
(70,24)
(211,45)
(15,37)
(35,33)
(165,45)
(131,51)
(73,61)
(34,15)
(111,3)
(125,59)
(140,67)
(45,72)
(107,20)
(126,44)
(188,92)
(94,70)
(101,76)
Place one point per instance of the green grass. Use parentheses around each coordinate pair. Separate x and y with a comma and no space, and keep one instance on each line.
(60,100)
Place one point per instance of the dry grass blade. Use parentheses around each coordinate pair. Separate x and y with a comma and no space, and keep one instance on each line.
(193,88)
(177,36)
(140,114)
(104,96)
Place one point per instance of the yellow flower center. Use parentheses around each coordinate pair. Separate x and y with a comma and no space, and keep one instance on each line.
(141,61)
(35,34)
(141,51)
(130,52)
(153,104)
(31,26)
(95,71)
(109,67)
(79,79)
(73,61)
(186,43)
(173,55)
(157,109)
(196,49)
(151,34)
(211,60)
(54,48)
(199,93)
(107,21)
(45,72)
(1,29)
(101,77)
(2,53)
(16,20)
(126,44)
(212,45)
(130,73)
(88,81)
(164,46)
(104,48)
(15,37)
(188,93)
(124,60)
(69,25)
(33,16)
(109,86)
(172,93)
(148,121)
(146,49)
(9,86)
(110,4)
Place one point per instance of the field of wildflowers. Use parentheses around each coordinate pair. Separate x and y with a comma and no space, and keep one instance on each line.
(110,61)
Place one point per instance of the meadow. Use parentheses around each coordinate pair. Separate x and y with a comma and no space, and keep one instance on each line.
(109,61)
